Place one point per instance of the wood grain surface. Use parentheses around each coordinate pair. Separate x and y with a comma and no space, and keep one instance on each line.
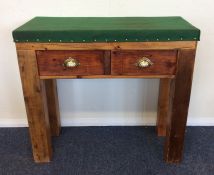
(109,46)
(163,106)
(50,63)
(179,103)
(41,63)
(124,62)
(53,106)
(36,106)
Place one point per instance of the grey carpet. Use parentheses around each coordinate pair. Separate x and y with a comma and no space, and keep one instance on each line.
(107,151)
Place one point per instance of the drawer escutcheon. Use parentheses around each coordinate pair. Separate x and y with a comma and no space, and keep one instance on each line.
(71,63)
(144,62)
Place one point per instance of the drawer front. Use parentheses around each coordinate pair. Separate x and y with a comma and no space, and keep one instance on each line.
(151,62)
(68,63)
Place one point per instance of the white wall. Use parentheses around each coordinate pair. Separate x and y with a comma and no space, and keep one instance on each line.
(107,102)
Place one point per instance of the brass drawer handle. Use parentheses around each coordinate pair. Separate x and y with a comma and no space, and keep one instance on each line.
(144,62)
(71,63)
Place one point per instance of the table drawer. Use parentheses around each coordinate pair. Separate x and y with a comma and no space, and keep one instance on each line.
(151,62)
(68,63)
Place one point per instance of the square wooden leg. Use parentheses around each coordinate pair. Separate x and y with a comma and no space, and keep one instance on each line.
(163,106)
(36,106)
(53,106)
(180,90)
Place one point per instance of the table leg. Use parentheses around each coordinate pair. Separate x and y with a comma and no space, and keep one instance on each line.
(36,106)
(53,106)
(180,90)
(163,106)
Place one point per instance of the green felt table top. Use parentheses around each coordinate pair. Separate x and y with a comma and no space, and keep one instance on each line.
(106,29)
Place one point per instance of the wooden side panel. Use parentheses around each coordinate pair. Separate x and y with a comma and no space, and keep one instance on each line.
(179,103)
(116,64)
(50,63)
(53,106)
(36,106)
(107,62)
(109,46)
(163,106)
(164,62)
(106,76)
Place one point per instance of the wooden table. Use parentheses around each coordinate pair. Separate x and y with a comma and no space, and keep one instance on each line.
(41,62)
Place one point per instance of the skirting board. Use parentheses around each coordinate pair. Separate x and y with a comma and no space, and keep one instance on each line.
(96,119)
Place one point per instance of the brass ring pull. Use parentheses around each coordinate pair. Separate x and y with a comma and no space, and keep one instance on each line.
(144,62)
(71,63)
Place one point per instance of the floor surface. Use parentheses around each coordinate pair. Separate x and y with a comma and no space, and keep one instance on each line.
(107,151)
